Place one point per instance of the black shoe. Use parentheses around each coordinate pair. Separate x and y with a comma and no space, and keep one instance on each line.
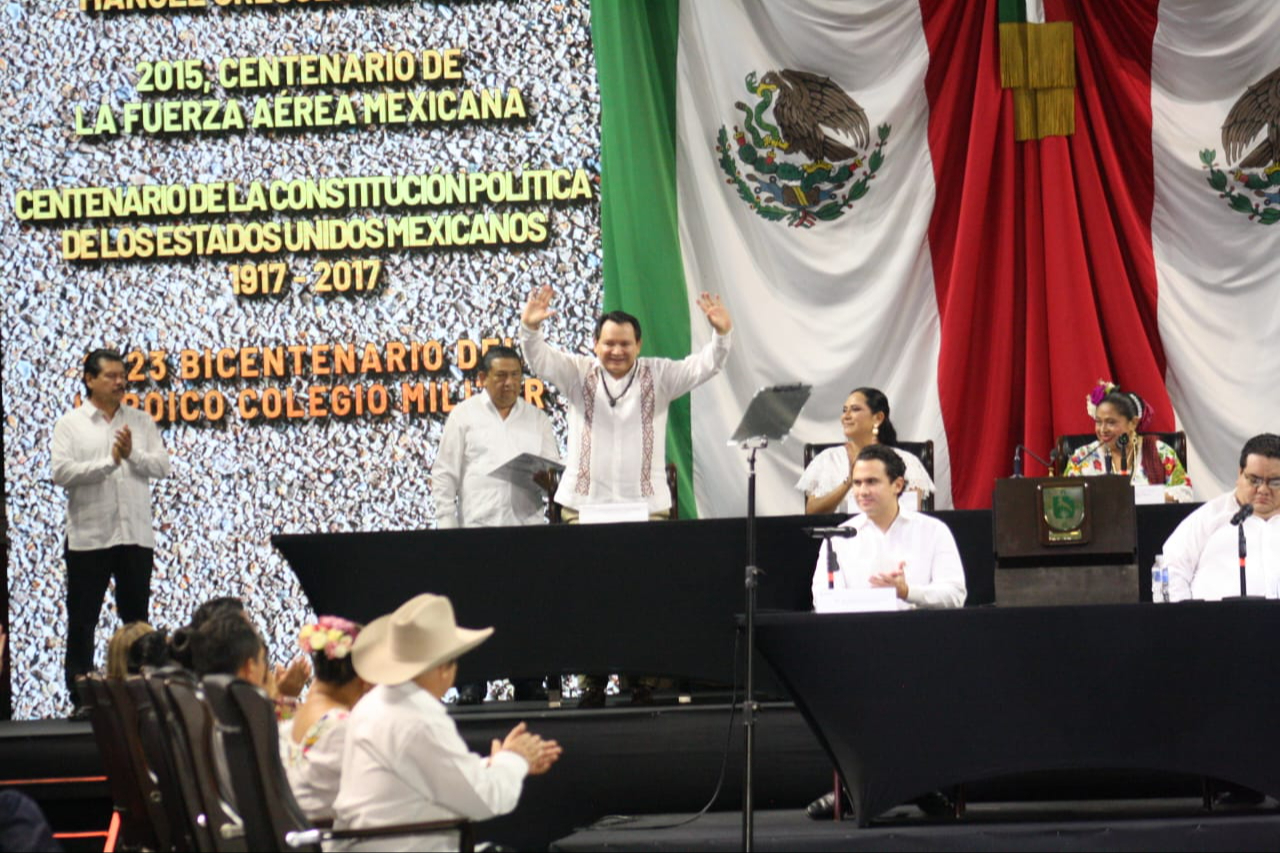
(592,697)
(1238,795)
(471,694)
(823,808)
(936,804)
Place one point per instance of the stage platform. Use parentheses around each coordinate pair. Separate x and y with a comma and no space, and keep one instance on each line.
(1165,824)
(665,760)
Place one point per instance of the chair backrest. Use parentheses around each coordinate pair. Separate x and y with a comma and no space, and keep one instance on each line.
(155,749)
(122,774)
(1068,444)
(250,738)
(922,450)
(194,829)
(195,721)
(148,786)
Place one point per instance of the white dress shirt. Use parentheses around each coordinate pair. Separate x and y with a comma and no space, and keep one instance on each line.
(935,575)
(108,504)
(404,762)
(617,453)
(830,468)
(1203,554)
(477,439)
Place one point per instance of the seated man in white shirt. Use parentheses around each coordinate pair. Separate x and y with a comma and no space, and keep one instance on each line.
(1202,554)
(482,433)
(404,760)
(895,548)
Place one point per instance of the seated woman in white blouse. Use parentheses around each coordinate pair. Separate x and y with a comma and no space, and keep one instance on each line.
(865,421)
(311,741)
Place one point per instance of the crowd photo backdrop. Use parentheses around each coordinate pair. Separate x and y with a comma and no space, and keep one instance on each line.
(304,221)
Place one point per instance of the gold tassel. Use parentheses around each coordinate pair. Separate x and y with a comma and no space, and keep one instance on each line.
(1051,55)
(1024,115)
(1013,56)
(1055,112)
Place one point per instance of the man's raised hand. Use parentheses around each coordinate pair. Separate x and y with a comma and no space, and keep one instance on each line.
(717,314)
(538,307)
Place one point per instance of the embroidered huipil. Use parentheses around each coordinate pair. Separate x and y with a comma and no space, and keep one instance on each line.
(617,453)
(1090,461)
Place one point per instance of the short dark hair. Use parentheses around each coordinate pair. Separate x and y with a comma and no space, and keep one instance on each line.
(216,607)
(893,464)
(618,317)
(224,644)
(151,650)
(1267,444)
(93,362)
(492,354)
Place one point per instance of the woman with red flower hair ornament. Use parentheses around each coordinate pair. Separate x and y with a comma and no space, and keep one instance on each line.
(311,740)
(1117,417)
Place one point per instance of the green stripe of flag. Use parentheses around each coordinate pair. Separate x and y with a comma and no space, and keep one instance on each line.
(635,49)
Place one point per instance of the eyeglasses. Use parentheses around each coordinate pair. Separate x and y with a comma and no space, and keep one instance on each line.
(1257,482)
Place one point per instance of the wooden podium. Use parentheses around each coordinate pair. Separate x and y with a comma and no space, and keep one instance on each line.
(1065,540)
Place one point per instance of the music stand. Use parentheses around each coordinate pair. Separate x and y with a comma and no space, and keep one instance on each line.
(770,415)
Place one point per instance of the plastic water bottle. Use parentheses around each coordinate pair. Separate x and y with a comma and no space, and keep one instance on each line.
(1159,581)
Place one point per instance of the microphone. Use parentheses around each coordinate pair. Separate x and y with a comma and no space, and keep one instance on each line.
(1244,512)
(831,532)
(1021,449)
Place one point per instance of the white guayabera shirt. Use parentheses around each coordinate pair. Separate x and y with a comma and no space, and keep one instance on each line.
(108,504)
(618,427)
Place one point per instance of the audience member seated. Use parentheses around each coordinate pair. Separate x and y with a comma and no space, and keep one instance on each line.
(1117,418)
(865,421)
(227,644)
(311,742)
(404,760)
(118,649)
(150,650)
(283,684)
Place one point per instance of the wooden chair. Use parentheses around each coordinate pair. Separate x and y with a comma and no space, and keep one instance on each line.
(1068,444)
(922,450)
(273,820)
(553,508)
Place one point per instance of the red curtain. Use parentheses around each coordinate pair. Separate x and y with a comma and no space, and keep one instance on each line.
(1041,250)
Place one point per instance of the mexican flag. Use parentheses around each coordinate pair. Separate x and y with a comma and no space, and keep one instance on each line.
(981,208)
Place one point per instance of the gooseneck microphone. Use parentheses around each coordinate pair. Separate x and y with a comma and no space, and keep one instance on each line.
(1238,520)
(1244,512)
(1020,449)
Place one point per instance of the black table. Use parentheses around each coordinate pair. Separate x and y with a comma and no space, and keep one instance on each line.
(654,597)
(907,703)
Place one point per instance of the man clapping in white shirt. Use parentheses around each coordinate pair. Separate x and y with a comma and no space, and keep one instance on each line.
(914,554)
(403,760)
(105,455)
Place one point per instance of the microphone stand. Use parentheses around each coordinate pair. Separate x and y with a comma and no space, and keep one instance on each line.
(1243,548)
(749,706)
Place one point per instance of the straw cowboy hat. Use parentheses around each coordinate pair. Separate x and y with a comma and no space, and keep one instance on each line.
(420,635)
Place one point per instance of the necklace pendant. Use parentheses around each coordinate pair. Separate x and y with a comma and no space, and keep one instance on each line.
(613,404)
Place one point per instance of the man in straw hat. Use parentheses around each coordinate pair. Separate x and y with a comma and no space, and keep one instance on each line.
(404,761)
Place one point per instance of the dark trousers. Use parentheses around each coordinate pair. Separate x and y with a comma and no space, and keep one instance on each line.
(88,573)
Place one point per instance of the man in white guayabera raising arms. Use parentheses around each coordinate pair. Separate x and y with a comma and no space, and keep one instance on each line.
(618,404)
(618,418)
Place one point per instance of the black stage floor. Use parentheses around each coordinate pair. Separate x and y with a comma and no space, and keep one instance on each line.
(1173,824)
(666,759)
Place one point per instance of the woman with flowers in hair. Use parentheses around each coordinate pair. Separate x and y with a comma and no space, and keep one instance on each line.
(1120,449)
(311,740)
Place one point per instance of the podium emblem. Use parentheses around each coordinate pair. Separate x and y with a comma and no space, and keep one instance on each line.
(1062,508)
